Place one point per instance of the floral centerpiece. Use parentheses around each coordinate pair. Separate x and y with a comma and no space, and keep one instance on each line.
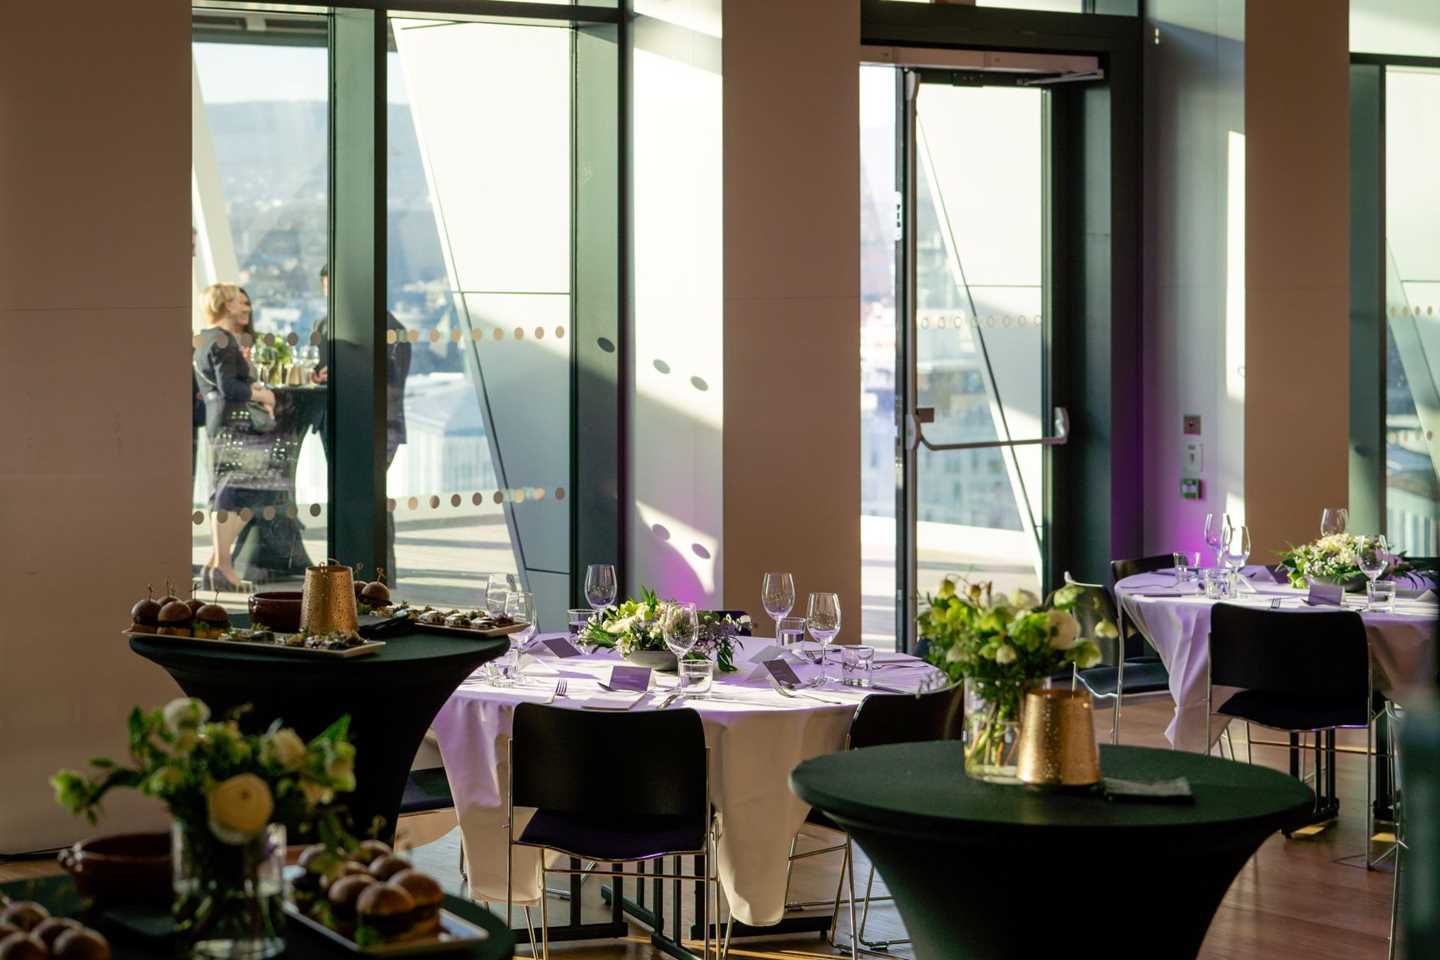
(1334,559)
(232,796)
(638,626)
(1000,646)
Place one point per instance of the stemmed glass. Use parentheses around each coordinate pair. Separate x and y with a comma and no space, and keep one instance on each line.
(824,623)
(1237,547)
(680,626)
(1215,524)
(1333,520)
(497,593)
(1374,558)
(520,607)
(777,593)
(600,586)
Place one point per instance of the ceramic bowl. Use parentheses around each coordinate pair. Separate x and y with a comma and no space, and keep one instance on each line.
(277,609)
(124,868)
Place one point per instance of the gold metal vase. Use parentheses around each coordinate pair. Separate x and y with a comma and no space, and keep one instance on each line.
(1057,740)
(327,604)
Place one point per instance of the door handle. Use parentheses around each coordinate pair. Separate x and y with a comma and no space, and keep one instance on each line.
(923,415)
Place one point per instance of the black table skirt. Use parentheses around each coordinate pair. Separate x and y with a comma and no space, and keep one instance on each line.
(391,696)
(981,870)
(119,926)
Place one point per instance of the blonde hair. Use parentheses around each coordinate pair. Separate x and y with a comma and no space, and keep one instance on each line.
(214,299)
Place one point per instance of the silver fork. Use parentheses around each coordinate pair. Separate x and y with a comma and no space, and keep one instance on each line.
(797,694)
(558,692)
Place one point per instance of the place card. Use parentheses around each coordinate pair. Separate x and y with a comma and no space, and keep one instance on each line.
(1326,594)
(560,646)
(782,672)
(629,678)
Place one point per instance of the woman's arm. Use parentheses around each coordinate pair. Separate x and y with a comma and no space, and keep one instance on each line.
(230,372)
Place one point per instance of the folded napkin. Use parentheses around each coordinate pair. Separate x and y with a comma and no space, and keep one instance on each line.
(613,701)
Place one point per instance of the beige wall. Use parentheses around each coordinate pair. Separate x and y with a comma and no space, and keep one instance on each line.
(792,307)
(95,326)
(1297,267)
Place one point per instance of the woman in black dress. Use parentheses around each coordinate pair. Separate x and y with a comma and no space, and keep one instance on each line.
(229,387)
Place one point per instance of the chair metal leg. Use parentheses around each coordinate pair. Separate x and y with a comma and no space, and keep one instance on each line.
(705,902)
(544,912)
(850,883)
(729,928)
(1369,804)
(865,913)
(1395,901)
(839,885)
(530,926)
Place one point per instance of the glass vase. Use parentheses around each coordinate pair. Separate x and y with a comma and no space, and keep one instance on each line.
(992,731)
(228,897)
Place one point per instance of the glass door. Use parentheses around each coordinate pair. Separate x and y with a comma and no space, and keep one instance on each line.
(977,425)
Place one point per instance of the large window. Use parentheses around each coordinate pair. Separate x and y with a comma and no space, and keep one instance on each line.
(260,198)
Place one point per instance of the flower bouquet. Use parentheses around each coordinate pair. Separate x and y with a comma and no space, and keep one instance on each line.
(637,627)
(232,796)
(1334,559)
(1000,647)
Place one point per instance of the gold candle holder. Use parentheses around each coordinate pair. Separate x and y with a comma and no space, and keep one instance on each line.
(327,603)
(1057,740)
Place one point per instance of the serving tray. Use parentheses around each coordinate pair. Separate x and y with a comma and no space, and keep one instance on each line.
(454,934)
(250,646)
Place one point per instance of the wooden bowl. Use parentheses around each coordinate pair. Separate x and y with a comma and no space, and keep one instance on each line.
(277,609)
(129,868)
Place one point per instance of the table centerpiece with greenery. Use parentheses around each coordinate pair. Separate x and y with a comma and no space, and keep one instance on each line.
(638,627)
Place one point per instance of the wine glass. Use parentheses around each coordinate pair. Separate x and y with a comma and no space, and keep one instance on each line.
(497,592)
(777,594)
(1374,556)
(520,607)
(1333,520)
(680,626)
(824,624)
(1237,547)
(600,587)
(1215,524)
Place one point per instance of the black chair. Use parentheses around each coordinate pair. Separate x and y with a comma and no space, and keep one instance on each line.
(1300,672)
(612,788)
(1134,672)
(882,719)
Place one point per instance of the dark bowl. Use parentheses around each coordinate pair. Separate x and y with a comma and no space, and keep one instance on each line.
(277,609)
(128,868)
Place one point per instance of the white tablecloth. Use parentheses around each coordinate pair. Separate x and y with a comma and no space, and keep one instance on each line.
(1402,644)
(755,735)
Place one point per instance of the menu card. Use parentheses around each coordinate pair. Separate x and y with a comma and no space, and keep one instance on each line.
(560,646)
(782,672)
(629,678)
(1326,594)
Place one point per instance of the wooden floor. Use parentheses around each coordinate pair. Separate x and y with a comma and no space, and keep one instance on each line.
(1307,899)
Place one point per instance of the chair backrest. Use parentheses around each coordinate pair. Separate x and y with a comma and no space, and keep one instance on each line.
(1120,569)
(610,765)
(1297,653)
(907,718)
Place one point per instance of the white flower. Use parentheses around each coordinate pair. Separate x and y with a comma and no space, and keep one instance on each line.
(619,626)
(316,793)
(184,714)
(1005,654)
(239,808)
(1064,629)
(1086,654)
(284,749)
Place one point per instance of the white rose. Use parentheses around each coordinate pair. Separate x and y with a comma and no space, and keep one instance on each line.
(1064,629)
(239,808)
(184,713)
(1005,654)
(285,749)
(316,793)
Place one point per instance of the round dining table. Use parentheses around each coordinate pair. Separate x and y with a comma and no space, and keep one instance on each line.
(983,870)
(755,733)
(1175,619)
(391,697)
(142,933)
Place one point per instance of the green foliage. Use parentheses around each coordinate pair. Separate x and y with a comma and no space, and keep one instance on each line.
(637,625)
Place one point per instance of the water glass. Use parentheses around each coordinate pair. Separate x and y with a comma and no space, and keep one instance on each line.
(1380,595)
(497,591)
(600,585)
(1216,583)
(506,668)
(857,662)
(696,677)
(577,618)
(1333,520)
(790,631)
(777,594)
(1374,557)
(1182,567)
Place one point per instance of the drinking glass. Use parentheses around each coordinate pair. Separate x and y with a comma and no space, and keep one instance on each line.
(1237,547)
(1380,595)
(777,594)
(497,592)
(1333,520)
(505,668)
(680,626)
(520,607)
(696,677)
(857,662)
(790,631)
(1374,556)
(600,585)
(1215,584)
(577,618)
(824,624)
(1182,567)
